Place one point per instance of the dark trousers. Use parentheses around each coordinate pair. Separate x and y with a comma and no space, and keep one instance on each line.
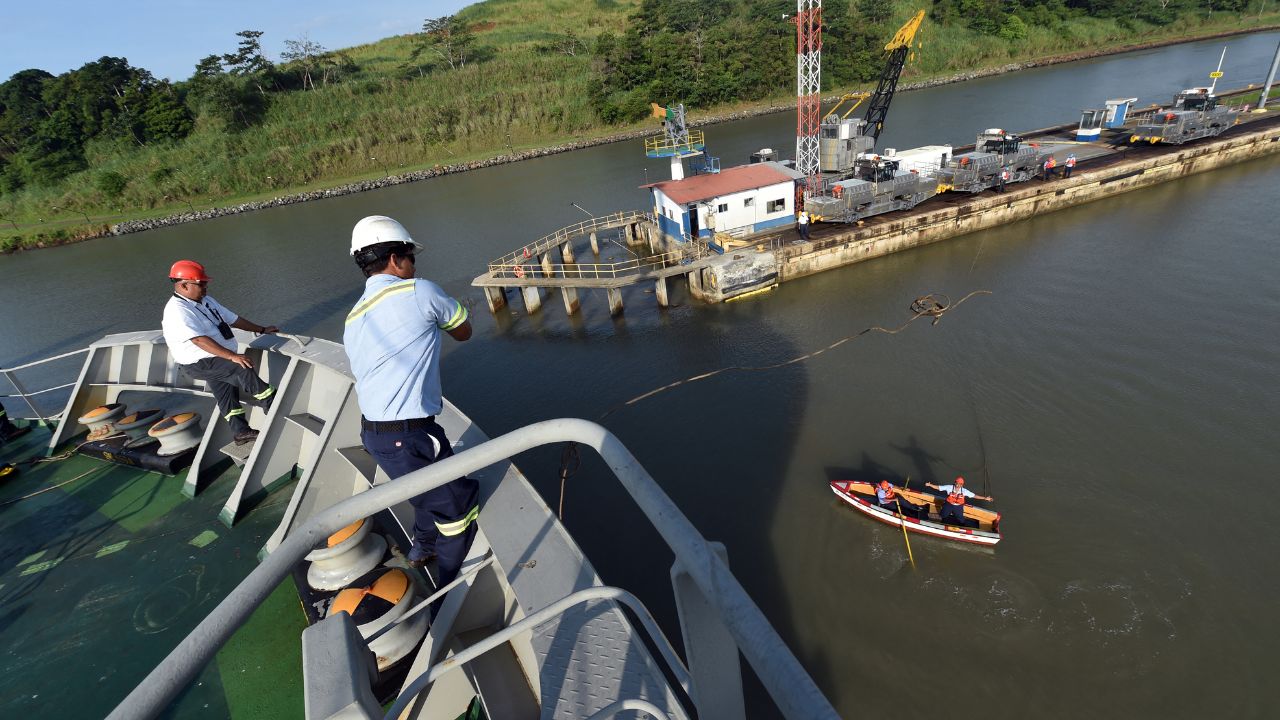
(1066,171)
(226,379)
(804,230)
(953,514)
(443,518)
(907,508)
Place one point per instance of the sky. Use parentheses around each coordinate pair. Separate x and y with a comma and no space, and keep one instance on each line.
(168,37)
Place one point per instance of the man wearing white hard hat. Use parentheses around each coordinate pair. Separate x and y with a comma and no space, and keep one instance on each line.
(393,337)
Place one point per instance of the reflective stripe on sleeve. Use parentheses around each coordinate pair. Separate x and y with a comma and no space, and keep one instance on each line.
(366,306)
(459,317)
(460,526)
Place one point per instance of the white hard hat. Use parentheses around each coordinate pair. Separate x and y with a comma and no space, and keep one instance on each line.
(377,229)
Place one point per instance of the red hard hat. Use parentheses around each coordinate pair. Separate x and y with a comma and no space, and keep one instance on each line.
(187,270)
(959,481)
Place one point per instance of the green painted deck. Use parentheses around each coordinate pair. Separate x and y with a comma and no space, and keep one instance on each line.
(102,576)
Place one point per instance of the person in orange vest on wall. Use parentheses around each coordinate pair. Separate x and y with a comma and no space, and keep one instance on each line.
(892,501)
(1004,178)
(1070,165)
(953,507)
(1049,165)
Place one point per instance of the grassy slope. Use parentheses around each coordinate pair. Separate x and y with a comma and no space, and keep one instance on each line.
(380,122)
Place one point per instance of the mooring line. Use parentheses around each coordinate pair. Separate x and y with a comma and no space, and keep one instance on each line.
(933,305)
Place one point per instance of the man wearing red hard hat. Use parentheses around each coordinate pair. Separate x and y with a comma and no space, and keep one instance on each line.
(953,508)
(197,329)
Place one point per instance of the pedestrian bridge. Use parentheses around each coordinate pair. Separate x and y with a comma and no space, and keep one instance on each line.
(551,262)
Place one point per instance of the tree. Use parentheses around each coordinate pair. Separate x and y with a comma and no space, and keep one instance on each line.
(248,61)
(248,58)
(447,39)
(216,94)
(305,55)
(333,65)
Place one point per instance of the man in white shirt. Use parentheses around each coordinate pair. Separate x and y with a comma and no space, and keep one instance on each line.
(197,329)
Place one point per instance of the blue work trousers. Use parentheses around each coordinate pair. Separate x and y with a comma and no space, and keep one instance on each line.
(953,514)
(400,452)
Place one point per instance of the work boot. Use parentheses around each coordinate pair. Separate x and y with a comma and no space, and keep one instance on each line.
(418,558)
(247,436)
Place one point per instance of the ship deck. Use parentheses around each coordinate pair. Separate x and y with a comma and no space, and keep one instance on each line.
(105,568)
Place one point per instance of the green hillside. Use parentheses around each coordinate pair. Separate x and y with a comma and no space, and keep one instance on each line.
(108,142)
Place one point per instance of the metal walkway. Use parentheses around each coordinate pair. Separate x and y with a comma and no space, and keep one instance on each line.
(534,267)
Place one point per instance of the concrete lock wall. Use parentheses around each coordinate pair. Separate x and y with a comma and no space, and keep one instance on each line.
(1018,204)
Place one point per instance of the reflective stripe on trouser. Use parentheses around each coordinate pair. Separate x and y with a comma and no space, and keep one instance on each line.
(460,526)
(226,379)
(444,518)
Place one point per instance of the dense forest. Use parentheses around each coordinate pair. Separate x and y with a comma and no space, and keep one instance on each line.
(113,139)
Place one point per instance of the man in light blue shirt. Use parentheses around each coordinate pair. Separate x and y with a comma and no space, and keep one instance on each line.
(392,339)
(953,508)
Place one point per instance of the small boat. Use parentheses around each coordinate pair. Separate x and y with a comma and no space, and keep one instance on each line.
(862,495)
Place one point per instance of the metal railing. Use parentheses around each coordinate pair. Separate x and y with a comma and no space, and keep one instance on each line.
(531,622)
(27,395)
(791,688)
(547,243)
(589,271)
(664,146)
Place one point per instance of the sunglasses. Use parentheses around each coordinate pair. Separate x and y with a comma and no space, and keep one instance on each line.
(201,283)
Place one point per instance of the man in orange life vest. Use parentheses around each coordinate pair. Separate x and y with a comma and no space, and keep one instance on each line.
(953,508)
(890,500)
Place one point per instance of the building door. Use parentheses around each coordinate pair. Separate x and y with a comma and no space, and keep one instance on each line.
(693,220)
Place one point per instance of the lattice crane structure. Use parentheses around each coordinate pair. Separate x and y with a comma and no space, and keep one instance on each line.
(808,90)
(898,48)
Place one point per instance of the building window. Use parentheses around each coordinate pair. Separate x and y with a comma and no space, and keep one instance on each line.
(777,205)
(748,202)
(722,207)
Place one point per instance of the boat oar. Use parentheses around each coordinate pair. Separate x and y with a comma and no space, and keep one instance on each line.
(902,518)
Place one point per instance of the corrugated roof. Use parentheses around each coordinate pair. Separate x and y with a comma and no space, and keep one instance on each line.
(726,182)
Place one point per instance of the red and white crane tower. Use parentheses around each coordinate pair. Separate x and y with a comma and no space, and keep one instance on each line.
(808,90)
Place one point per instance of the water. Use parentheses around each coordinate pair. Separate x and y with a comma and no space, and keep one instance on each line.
(1116,393)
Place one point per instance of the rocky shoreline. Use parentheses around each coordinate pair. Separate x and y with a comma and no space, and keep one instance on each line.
(133,226)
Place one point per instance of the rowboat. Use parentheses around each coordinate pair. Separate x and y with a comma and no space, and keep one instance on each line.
(862,495)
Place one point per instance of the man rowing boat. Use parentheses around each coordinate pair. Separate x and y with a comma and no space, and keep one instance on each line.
(890,500)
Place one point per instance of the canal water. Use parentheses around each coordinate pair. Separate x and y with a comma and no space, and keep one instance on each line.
(1116,393)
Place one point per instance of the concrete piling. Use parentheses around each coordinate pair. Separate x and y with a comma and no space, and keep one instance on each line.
(570,297)
(595,244)
(695,285)
(615,301)
(496,297)
(566,252)
(532,299)
(660,291)
(545,260)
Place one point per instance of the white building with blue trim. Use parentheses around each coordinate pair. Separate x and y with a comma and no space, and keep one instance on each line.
(739,201)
